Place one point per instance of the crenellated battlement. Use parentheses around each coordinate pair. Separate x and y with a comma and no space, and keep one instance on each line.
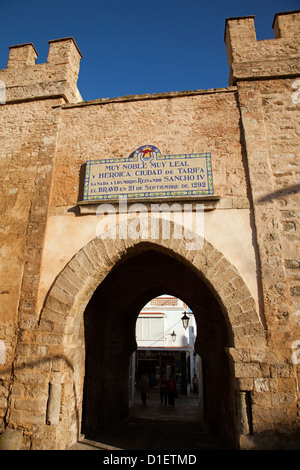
(252,59)
(24,79)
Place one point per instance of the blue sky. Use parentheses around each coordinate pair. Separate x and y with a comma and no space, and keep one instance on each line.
(137,46)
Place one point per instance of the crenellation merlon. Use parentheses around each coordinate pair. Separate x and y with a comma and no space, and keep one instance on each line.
(252,59)
(287,24)
(22,55)
(24,79)
(64,51)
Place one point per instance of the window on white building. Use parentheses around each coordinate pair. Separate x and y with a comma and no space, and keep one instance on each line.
(150,328)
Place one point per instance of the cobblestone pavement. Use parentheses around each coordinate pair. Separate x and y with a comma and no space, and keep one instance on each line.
(156,427)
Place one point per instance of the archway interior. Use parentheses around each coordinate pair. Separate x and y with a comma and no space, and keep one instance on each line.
(109,326)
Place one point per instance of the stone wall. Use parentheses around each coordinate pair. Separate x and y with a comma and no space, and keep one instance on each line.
(28,128)
(204,121)
(104,128)
(265,73)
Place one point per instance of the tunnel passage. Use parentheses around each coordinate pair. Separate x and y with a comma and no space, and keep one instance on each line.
(109,324)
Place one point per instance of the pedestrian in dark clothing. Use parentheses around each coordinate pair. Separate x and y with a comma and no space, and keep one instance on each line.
(163,389)
(172,391)
(144,389)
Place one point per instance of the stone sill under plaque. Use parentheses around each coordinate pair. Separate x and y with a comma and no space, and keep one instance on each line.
(210,203)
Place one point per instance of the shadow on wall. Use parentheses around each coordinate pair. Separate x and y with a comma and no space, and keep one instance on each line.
(293,189)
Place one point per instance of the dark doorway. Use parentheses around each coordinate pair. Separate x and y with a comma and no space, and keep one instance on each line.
(109,323)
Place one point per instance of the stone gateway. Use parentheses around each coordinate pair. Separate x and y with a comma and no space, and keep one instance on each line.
(75,277)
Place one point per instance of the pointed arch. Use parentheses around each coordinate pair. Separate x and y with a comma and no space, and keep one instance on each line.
(74,286)
(61,326)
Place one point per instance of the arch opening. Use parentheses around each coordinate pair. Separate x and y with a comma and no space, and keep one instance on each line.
(110,339)
(165,349)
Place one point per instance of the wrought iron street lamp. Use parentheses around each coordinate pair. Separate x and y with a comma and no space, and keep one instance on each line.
(173,335)
(185,321)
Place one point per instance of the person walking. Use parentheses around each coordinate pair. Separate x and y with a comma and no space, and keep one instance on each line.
(163,389)
(195,384)
(172,391)
(144,389)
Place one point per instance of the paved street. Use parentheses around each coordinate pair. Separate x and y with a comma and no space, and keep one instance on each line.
(156,427)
